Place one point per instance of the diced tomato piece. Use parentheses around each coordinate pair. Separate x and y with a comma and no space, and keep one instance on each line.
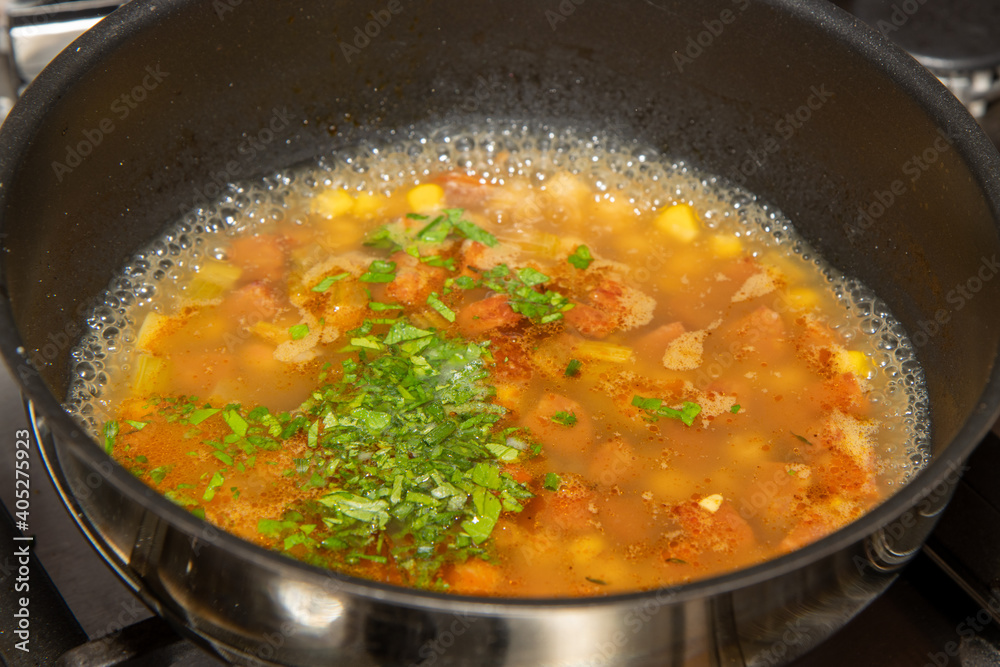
(414,280)
(613,461)
(571,508)
(807,531)
(842,392)
(518,472)
(462,190)
(762,331)
(491,313)
(590,321)
(652,345)
(251,303)
(474,577)
(723,529)
(261,257)
(558,439)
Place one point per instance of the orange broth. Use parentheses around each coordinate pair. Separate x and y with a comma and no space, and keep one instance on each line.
(604,488)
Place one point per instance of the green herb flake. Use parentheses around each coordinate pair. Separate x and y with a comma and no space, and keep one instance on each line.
(157,474)
(379,271)
(404,331)
(328,282)
(236,423)
(488,508)
(801,437)
(581,257)
(138,426)
(735,409)
(379,306)
(198,416)
(224,457)
(486,475)
(213,484)
(564,418)
(686,414)
(599,582)
(573,368)
(298,331)
(552,481)
(434,301)
(110,434)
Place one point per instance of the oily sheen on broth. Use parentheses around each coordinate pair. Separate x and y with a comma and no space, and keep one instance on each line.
(504,360)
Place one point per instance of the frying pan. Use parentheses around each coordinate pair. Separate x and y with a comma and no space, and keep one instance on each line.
(144,116)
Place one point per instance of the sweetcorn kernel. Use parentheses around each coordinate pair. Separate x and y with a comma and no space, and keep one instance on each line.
(802,298)
(587,548)
(426,197)
(367,205)
(679,221)
(725,247)
(332,203)
(853,361)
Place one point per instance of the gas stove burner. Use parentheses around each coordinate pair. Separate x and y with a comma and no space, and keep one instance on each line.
(957,40)
(40,29)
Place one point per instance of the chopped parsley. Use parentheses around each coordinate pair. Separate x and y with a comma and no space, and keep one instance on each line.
(801,437)
(573,368)
(551,482)
(298,331)
(581,257)
(328,282)
(735,408)
(110,434)
(655,408)
(379,271)
(525,293)
(564,418)
(434,301)
(449,224)
(405,445)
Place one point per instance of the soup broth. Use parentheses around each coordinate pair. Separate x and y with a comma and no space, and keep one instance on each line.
(502,361)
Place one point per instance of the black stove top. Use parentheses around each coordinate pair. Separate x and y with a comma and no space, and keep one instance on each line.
(944,609)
